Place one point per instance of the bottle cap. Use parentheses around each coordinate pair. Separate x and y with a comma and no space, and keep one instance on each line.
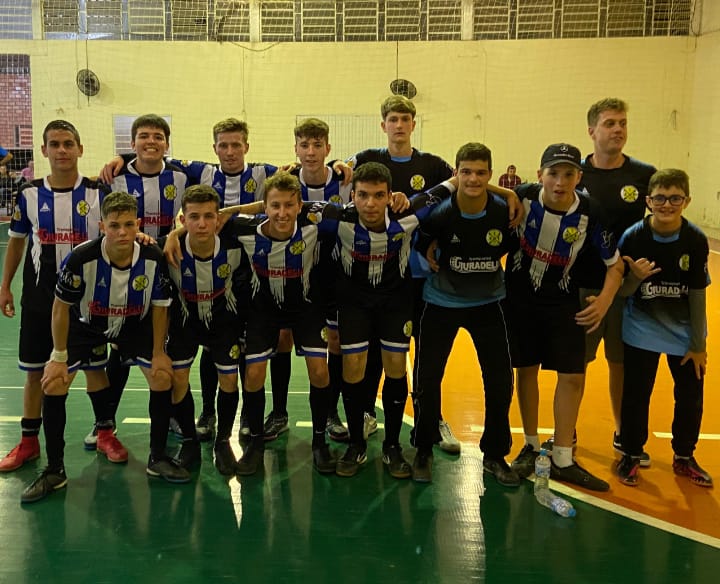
(572,512)
(543,452)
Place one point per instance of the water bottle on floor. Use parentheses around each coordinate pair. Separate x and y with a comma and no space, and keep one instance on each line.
(543,494)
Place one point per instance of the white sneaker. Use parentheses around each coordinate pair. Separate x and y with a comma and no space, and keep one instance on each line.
(369,425)
(448,442)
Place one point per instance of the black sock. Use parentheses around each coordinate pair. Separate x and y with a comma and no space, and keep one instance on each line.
(30,426)
(280,382)
(395,392)
(335,368)
(54,418)
(373,374)
(244,400)
(319,398)
(208,382)
(227,404)
(241,370)
(117,375)
(103,407)
(159,408)
(184,413)
(254,406)
(354,410)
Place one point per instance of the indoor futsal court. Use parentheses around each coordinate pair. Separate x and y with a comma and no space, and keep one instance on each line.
(516,75)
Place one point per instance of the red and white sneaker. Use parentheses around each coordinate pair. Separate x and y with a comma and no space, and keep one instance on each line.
(26,450)
(110,446)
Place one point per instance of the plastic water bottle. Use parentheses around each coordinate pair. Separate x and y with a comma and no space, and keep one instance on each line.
(543,494)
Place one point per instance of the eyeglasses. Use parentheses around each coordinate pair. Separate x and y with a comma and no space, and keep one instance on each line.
(660,200)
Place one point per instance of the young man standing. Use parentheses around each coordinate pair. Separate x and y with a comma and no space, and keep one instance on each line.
(56,213)
(111,289)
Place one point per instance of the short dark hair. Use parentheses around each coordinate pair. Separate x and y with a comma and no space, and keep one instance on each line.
(473,151)
(312,128)
(230,125)
(670,177)
(283,181)
(373,172)
(397,103)
(61,125)
(608,104)
(118,202)
(150,121)
(200,194)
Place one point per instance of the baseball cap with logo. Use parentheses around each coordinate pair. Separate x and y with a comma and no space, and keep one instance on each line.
(560,154)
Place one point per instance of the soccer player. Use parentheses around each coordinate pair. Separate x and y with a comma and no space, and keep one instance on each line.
(471,232)
(110,289)
(559,225)
(56,213)
(666,313)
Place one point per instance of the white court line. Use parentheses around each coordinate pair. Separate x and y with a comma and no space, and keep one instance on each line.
(701,436)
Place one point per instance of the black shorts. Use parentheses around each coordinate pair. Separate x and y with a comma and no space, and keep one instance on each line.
(87,348)
(222,339)
(36,341)
(545,333)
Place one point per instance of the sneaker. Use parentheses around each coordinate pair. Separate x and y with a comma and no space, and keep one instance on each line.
(422,466)
(350,462)
(205,427)
(395,462)
(26,450)
(688,467)
(335,429)
(224,458)
(577,475)
(252,460)
(369,425)
(524,463)
(323,460)
(45,484)
(502,472)
(244,434)
(188,456)
(110,446)
(644,459)
(166,469)
(550,442)
(274,426)
(448,442)
(627,470)
(174,428)
(90,441)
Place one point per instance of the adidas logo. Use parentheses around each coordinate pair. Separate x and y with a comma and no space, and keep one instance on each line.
(532,223)
(45,208)
(136,194)
(102,283)
(260,253)
(455,239)
(217,186)
(187,273)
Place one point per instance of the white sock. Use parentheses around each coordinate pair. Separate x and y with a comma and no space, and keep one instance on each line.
(562,456)
(533,441)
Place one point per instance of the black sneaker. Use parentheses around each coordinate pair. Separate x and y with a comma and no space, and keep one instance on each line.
(688,467)
(224,458)
(550,442)
(244,434)
(422,466)
(500,469)
(348,465)
(577,475)
(45,484)
(395,462)
(274,426)
(205,427)
(524,463)
(188,456)
(165,468)
(335,429)
(323,460)
(644,459)
(253,459)
(627,470)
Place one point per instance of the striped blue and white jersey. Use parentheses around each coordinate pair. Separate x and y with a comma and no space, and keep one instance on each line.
(331,191)
(159,196)
(55,221)
(106,298)
(203,286)
(245,187)
(551,244)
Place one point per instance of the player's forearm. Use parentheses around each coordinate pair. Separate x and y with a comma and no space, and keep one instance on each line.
(501,191)
(13,257)
(613,280)
(60,324)
(698,319)
(246,209)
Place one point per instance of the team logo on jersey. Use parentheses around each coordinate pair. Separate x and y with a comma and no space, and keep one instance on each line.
(324,334)
(170,192)
(140,283)
(99,350)
(684,262)
(75,281)
(16,214)
(234,352)
(298,247)
(336,200)
(314,218)
(494,237)
(399,236)
(570,235)
(83,208)
(250,186)
(417,182)
(351,163)
(185,163)
(224,271)
(407,329)
(629,194)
